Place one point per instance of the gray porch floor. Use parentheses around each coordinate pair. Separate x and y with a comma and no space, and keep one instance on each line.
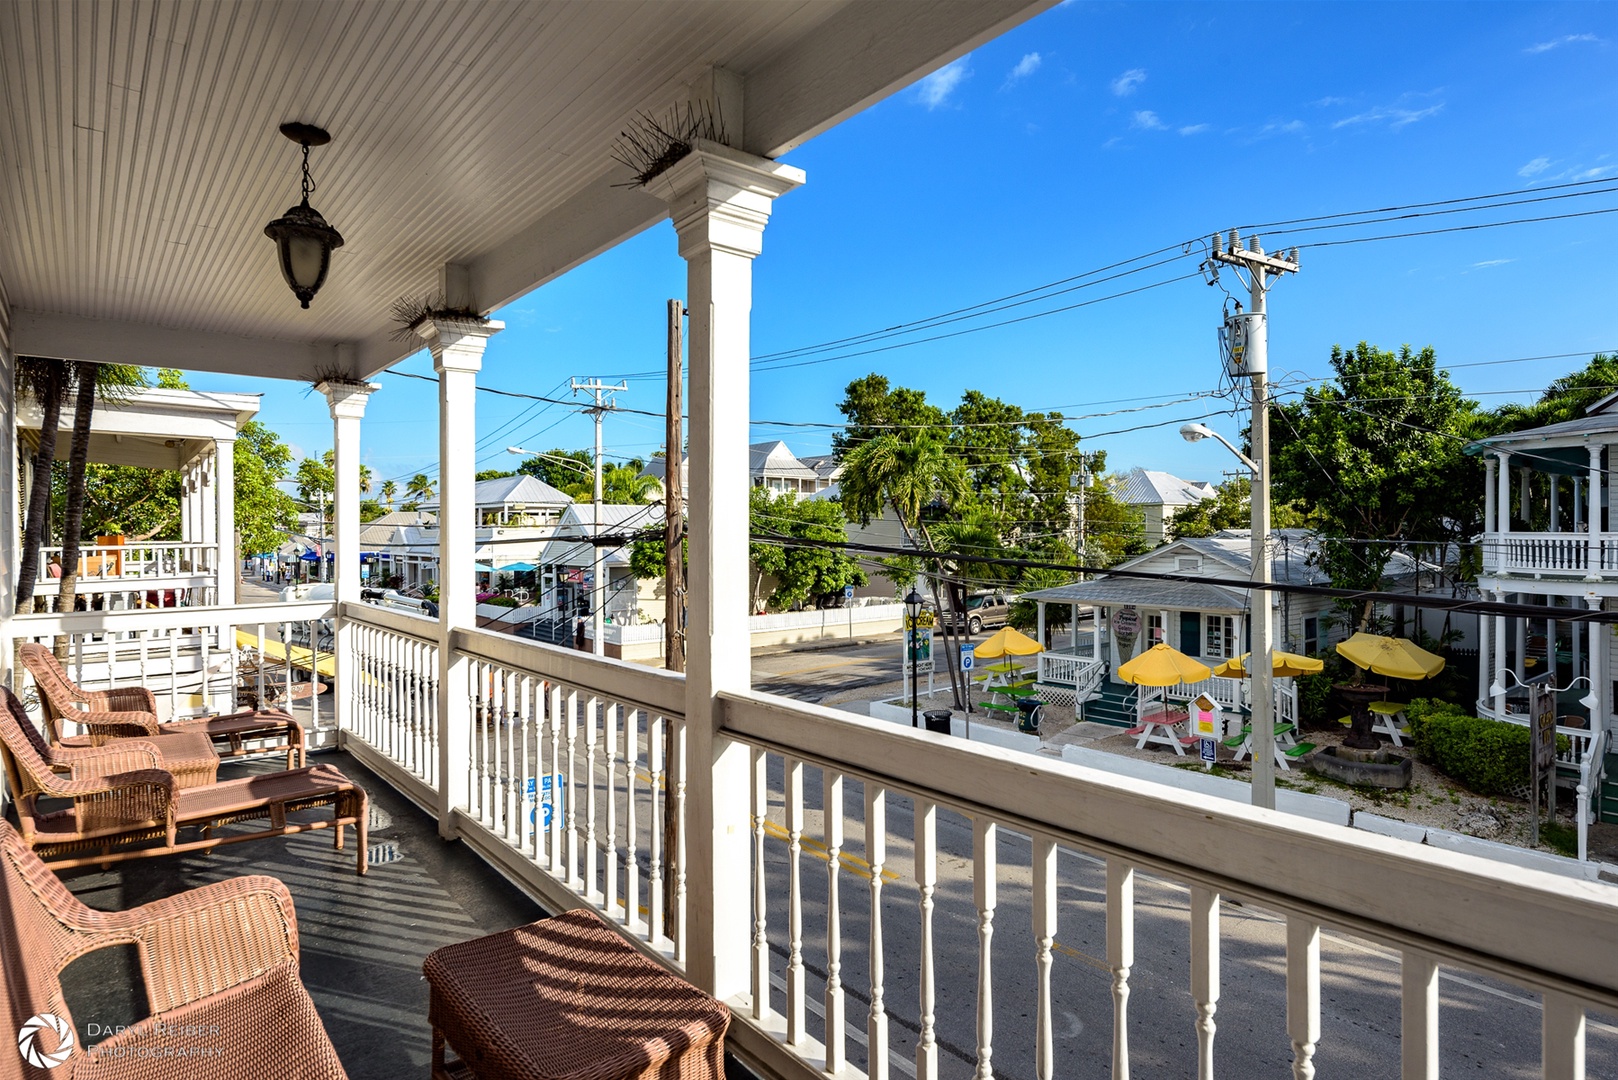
(362,940)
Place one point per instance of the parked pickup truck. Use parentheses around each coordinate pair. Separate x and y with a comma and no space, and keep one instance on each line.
(983,609)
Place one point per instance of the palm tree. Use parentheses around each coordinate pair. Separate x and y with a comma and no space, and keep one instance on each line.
(419,488)
(389,491)
(908,473)
(115,382)
(625,484)
(47,382)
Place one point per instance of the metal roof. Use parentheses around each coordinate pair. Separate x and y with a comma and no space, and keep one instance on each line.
(1144,487)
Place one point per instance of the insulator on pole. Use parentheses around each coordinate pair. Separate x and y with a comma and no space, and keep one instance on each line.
(1235,242)
(1253,245)
(1216,239)
(1293,257)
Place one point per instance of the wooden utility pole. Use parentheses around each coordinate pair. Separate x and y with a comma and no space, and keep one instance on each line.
(674,506)
(673,586)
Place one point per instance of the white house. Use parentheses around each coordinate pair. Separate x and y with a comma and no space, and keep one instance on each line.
(1204,619)
(1160,496)
(566,565)
(1550,540)
(773,466)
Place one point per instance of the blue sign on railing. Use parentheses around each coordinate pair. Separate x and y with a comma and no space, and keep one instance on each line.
(552,798)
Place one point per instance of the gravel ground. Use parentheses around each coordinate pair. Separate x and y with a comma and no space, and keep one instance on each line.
(1432,800)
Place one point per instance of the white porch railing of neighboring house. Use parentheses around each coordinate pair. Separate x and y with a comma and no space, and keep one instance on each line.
(938,824)
(1229,693)
(147,574)
(1554,553)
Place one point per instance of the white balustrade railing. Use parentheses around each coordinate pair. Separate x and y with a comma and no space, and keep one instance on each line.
(1229,693)
(1325,896)
(199,658)
(145,559)
(1554,553)
(980,841)
(396,693)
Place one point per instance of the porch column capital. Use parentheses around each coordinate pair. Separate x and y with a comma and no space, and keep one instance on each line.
(720,198)
(345,399)
(457,344)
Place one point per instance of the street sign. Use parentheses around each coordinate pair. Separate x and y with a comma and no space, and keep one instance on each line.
(1210,751)
(966,658)
(1542,752)
(552,799)
(848,592)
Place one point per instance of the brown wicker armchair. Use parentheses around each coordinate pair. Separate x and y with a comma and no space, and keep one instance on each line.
(190,758)
(220,968)
(111,817)
(131,712)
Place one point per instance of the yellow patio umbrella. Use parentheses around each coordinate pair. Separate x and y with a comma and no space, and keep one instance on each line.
(1007,642)
(1286,665)
(1163,666)
(1397,658)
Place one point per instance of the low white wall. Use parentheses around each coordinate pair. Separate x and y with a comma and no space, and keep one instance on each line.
(986,733)
(1314,807)
(826,624)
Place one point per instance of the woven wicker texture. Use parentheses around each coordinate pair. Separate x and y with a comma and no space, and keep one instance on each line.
(568,998)
(189,757)
(131,712)
(109,813)
(219,965)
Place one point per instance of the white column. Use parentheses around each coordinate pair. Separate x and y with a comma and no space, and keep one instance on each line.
(1520,661)
(186,489)
(229,567)
(457,346)
(1503,501)
(1525,475)
(346,401)
(1556,501)
(719,200)
(1592,566)
(1578,502)
(1489,523)
(1598,667)
(1485,626)
(1499,672)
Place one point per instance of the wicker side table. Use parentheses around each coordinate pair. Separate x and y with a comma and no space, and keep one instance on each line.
(568,998)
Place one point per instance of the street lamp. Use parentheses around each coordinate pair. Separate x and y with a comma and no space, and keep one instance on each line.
(1260,663)
(913,604)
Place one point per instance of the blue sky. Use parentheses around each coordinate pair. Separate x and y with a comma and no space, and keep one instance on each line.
(1090,135)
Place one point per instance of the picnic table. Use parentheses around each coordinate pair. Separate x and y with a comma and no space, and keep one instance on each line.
(1286,747)
(1160,726)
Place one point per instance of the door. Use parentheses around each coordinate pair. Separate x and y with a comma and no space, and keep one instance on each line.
(1191,633)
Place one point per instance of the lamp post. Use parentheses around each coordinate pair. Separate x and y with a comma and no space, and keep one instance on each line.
(1259,665)
(913,604)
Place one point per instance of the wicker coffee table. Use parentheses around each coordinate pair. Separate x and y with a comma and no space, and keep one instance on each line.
(568,998)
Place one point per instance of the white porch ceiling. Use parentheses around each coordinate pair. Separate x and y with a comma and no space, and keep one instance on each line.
(141,158)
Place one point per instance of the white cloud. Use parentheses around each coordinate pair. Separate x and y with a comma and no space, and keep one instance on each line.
(1328,102)
(1194,129)
(936,88)
(1565,39)
(1025,67)
(1491,262)
(1535,167)
(1147,120)
(1125,84)
(1395,116)
(1282,127)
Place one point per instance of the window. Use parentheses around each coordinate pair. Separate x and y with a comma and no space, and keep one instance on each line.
(1220,638)
(1154,628)
(1311,636)
(1188,564)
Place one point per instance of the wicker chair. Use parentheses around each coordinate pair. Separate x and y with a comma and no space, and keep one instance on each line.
(219,964)
(131,711)
(189,757)
(111,818)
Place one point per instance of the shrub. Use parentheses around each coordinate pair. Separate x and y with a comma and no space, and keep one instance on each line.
(1489,756)
(502,601)
(1317,701)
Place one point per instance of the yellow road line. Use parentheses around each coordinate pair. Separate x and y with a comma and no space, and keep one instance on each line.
(1081,957)
(818,850)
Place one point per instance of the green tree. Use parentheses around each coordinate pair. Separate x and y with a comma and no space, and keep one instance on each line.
(563,470)
(418,489)
(1376,454)
(485,474)
(802,574)
(390,491)
(1565,399)
(48,382)
(873,407)
(264,512)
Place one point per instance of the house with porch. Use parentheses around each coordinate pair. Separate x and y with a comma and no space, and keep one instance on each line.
(471,160)
(1206,620)
(567,585)
(1550,541)
(183,431)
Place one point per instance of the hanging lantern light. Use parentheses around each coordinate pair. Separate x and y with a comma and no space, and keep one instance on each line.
(303,240)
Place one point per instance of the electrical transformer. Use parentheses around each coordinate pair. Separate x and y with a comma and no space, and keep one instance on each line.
(1236,337)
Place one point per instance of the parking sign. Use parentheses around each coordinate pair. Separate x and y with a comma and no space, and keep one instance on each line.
(552,799)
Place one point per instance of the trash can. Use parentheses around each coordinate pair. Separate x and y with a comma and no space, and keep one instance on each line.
(937,720)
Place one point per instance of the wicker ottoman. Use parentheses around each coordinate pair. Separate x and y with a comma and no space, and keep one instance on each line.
(568,999)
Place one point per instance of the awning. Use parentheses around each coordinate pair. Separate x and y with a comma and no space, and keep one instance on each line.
(519,567)
(483,568)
